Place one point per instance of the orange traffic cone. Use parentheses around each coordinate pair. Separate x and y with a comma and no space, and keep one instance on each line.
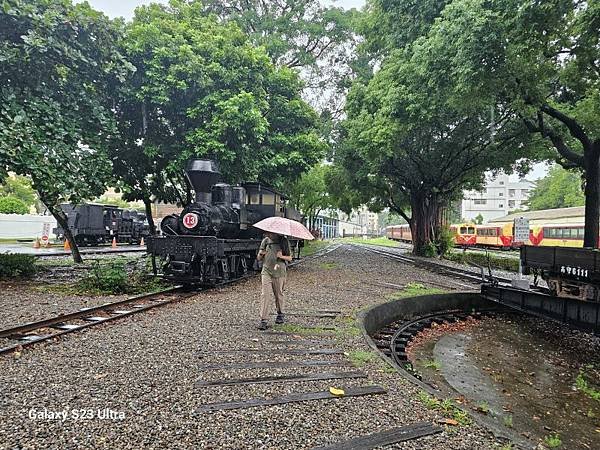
(36,243)
(114,242)
(142,243)
(67,246)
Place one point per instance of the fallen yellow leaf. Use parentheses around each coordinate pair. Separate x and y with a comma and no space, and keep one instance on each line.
(336,391)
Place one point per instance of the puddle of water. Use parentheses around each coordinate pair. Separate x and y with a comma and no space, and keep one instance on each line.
(523,378)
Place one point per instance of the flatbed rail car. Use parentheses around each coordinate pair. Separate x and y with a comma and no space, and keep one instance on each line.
(569,272)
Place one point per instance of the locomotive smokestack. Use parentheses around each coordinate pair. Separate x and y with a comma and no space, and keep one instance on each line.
(202,175)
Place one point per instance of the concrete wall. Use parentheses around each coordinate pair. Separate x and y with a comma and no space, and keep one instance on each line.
(17,226)
(383,314)
(348,228)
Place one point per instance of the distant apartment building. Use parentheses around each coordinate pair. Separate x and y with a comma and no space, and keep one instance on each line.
(499,197)
(360,221)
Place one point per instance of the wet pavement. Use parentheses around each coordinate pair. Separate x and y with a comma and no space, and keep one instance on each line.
(522,380)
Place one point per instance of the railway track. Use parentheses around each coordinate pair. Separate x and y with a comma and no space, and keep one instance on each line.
(32,333)
(442,269)
(393,339)
(16,338)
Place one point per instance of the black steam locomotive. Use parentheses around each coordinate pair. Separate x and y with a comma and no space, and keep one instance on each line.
(212,240)
(92,224)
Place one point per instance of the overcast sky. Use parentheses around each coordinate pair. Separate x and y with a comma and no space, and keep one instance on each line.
(124,8)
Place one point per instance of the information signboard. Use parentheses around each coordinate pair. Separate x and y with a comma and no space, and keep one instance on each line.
(521,229)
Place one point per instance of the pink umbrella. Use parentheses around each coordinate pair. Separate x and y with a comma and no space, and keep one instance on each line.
(286,227)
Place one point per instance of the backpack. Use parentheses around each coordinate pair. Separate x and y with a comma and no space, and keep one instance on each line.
(285,246)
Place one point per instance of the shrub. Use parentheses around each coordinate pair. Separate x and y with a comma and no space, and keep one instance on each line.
(111,278)
(118,277)
(507,263)
(17,265)
(12,205)
(445,241)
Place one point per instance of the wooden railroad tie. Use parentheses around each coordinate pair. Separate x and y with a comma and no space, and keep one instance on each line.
(284,378)
(400,434)
(285,351)
(291,398)
(275,364)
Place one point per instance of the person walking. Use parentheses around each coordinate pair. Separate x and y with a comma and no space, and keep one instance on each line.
(275,253)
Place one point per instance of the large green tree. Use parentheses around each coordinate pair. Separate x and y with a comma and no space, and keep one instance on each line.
(18,187)
(536,60)
(410,146)
(309,194)
(59,65)
(316,39)
(202,89)
(559,189)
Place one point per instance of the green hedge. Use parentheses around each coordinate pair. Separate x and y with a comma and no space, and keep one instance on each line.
(12,205)
(510,264)
(17,265)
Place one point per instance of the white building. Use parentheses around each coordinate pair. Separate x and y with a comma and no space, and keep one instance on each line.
(499,196)
(361,221)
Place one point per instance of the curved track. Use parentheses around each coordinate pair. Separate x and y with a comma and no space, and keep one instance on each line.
(394,339)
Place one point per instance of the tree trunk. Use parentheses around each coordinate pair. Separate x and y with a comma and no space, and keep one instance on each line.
(592,196)
(151,225)
(63,221)
(424,218)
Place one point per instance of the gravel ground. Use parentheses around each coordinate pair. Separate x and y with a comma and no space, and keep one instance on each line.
(147,368)
(407,248)
(20,303)
(23,301)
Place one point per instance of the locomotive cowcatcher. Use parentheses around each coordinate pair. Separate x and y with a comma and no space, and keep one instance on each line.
(212,240)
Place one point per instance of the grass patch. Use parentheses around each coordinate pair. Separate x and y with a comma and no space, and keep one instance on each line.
(508,421)
(361,357)
(507,263)
(553,440)
(328,265)
(508,446)
(414,290)
(17,265)
(446,408)
(298,329)
(582,385)
(388,369)
(435,365)
(483,407)
(113,276)
(312,247)
(382,241)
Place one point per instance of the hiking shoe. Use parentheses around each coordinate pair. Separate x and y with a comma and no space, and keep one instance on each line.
(280,318)
(263,325)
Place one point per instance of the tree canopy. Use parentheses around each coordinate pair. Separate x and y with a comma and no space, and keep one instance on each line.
(559,189)
(18,187)
(409,149)
(309,194)
(202,89)
(59,64)
(306,35)
(537,62)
